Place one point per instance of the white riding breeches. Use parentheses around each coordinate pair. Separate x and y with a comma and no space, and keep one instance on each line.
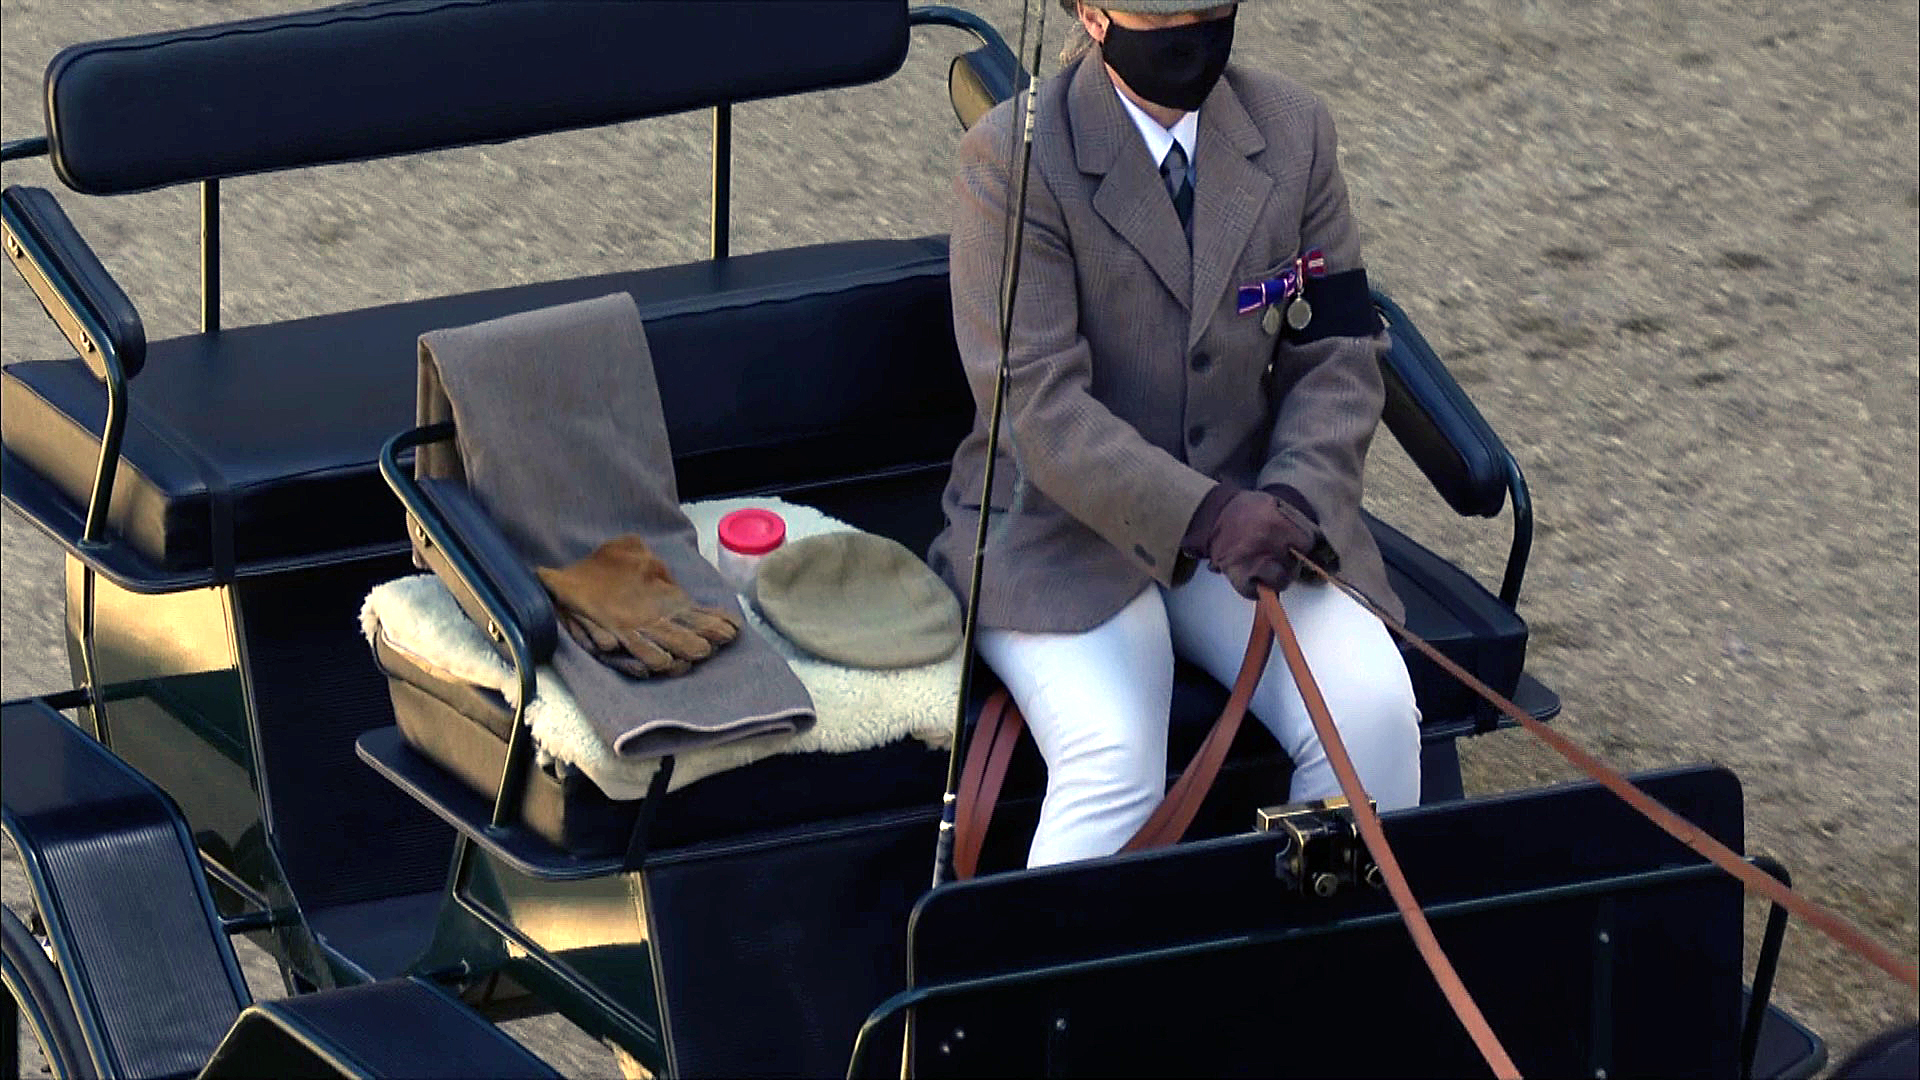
(1097,703)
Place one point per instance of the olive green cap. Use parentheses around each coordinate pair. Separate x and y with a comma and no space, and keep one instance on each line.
(857,599)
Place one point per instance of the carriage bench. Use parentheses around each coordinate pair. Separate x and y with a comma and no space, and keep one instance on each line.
(218,493)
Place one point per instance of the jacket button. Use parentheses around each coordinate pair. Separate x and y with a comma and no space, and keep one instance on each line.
(1201,361)
(1195,434)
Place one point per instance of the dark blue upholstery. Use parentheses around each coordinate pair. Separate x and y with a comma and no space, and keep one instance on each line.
(284,422)
(98,307)
(400,1027)
(1439,427)
(387,77)
(116,877)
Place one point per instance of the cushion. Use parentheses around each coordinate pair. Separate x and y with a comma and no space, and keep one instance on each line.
(384,77)
(260,443)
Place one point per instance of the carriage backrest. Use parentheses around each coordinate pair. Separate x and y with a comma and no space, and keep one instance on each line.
(388,77)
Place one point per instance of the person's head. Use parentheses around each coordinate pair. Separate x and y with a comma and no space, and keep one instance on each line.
(1168,52)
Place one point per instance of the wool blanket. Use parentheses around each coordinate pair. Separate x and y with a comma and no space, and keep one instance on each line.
(561,439)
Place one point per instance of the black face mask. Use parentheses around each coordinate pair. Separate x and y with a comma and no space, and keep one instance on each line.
(1174,66)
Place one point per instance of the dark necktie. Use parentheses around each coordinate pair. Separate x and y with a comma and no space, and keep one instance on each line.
(1173,169)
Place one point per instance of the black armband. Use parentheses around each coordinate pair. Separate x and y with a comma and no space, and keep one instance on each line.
(1337,305)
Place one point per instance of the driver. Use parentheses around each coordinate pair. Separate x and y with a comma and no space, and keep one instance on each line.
(1194,381)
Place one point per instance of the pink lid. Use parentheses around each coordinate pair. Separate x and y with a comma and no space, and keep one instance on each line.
(752,531)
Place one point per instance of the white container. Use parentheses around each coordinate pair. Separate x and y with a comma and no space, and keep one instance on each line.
(746,536)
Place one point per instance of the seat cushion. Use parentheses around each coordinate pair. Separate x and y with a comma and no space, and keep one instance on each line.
(260,444)
(1449,609)
(463,727)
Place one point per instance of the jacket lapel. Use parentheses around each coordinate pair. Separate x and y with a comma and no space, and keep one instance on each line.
(1229,193)
(1131,197)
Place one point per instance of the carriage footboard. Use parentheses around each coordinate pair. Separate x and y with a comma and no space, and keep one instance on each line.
(398,1027)
(119,886)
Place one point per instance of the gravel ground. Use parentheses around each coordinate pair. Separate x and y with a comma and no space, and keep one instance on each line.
(1671,252)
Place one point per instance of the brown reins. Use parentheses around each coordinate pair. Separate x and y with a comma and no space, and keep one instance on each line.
(1756,880)
(1368,822)
(998,731)
(1000,726)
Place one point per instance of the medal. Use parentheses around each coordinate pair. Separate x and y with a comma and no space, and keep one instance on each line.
(1299,313)
(1283,299)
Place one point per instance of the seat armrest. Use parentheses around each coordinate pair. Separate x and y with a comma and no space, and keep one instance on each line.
(83,300)
(1450,441)
(981,79)
(977,80)
(491,559)
(1434,421)
(455,539)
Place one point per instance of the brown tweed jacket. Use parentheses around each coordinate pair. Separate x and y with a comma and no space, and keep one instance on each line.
(1134,383)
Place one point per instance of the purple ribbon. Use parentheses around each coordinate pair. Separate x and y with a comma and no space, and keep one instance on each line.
(1251,298)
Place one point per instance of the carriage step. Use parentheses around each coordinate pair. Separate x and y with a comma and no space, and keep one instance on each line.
(118,883)
(399,1027)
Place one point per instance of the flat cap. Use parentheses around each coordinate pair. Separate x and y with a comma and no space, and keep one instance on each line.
(857,599)
(1147,7)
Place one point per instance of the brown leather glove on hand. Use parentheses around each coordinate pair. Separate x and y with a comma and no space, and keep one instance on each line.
(622,605)
(1252,537)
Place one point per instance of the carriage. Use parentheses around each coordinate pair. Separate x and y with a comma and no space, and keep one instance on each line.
(237,761)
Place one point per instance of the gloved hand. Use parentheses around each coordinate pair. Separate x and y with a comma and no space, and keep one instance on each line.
(622,605)
(1252,539)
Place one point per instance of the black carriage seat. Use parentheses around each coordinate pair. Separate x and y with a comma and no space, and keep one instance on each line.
(282,423)
(254,447)
(463,728)
(826,374)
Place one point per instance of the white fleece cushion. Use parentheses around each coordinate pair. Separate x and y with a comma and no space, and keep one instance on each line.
(857,708)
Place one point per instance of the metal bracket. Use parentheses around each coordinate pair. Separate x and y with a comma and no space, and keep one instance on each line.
(1322,851)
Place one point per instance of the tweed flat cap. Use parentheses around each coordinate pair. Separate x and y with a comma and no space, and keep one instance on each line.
(1146,7)
(857,599)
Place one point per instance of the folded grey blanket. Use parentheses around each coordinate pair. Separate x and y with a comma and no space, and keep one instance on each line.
(561,438)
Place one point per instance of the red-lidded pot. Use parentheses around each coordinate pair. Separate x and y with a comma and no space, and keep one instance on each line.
(746,536)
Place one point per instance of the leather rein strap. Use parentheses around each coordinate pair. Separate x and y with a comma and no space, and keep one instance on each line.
(1755,879)
(998,732)
(1001,725)
(1464,1007)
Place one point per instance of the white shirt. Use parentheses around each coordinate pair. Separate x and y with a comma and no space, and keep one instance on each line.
(1159,140)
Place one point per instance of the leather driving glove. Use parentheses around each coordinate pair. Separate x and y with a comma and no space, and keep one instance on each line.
(1252,539)
(622,605)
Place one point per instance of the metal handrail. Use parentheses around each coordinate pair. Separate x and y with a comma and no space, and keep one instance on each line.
(94,341)
(1763,968)
(20,149)
(434,530)
(1522,530)
(942,15)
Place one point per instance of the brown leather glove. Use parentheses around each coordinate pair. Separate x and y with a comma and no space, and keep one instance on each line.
(1251,537)
(622,605)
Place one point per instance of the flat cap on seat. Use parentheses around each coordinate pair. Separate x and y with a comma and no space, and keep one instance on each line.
(858,599)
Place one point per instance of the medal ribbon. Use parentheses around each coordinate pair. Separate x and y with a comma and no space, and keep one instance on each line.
(1286,286)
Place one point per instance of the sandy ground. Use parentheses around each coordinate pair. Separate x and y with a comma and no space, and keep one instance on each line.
(1671,252)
